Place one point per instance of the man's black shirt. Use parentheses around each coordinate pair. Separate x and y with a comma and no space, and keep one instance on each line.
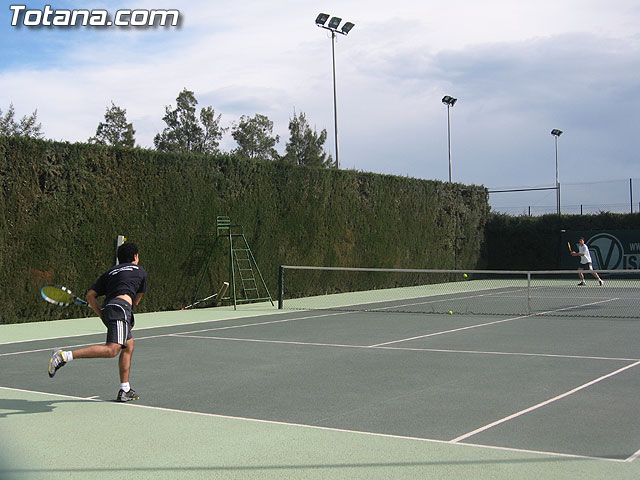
(123,279)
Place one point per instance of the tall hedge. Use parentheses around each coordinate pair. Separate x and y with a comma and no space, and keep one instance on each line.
(62,206)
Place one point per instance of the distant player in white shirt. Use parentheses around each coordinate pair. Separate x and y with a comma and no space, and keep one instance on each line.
(585,262)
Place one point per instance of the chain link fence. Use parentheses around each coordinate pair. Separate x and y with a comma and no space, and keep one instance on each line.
(615,196)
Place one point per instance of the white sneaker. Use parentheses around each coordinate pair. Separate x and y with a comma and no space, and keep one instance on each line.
(601,282)
(56,362)
(582,283)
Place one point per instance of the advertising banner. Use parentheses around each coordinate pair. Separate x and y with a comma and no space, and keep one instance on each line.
(610,249)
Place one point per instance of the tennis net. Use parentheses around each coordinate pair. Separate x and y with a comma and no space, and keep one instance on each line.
(485,292)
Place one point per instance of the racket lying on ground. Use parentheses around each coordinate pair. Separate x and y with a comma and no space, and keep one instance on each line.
(217,296)
(61,296)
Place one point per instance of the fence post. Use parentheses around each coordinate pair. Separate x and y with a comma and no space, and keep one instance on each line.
(280,287)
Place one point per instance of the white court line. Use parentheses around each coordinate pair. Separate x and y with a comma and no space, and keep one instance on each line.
(633,457)
(267,323)
(541,404)
(174,333)
(138,329)
(448,331)
(245,325)
(490,323)
(329,429)
(451,298)
(514,354)
(50,349)
(186,334)
(104,332)
(256,340)
(507,293)
(409,349)
(22,390)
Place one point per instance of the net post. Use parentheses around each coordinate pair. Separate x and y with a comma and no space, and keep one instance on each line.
(529,293)
(281,288)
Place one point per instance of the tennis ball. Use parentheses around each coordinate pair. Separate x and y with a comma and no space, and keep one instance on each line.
(464,275)
(450,312)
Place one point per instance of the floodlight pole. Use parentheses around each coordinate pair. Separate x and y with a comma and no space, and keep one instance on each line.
(449,102)
(449,138)
(335,96)
(332,26)
(557,178)
(556,133)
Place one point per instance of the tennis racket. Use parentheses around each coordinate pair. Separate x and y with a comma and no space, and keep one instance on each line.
(569,245)
(61,296)
(217,296)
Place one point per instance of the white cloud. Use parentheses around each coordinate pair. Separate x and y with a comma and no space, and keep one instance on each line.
(518,69)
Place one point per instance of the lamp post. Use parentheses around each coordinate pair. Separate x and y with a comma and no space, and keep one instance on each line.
(449,102)
(332,26)
(556,133)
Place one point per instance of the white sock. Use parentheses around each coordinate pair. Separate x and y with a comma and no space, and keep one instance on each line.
(67,356)
(125,387)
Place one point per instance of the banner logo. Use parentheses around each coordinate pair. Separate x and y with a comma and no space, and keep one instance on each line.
(606,250)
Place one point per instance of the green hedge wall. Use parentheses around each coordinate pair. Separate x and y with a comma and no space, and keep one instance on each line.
(62,206)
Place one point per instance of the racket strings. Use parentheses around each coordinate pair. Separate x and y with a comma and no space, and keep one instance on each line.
(57,295)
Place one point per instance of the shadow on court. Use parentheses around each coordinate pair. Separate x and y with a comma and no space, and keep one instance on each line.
(28,407)
(301,467)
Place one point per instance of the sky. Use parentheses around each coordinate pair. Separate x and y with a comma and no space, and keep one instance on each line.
(519,68)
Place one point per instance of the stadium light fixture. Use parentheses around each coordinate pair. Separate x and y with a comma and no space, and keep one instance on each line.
(346,28)
(449,101)
(322,19)
(334,22)
(332,26)
(556,133)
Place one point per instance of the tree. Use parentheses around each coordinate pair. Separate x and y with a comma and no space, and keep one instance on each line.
(212,132)
(185,133)
(305,146)
(254,138)
(26,127)
(115,130)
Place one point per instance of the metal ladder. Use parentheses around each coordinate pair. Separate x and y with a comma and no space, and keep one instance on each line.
(241,259)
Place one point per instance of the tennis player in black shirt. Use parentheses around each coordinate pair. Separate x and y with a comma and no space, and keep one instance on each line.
(122,286)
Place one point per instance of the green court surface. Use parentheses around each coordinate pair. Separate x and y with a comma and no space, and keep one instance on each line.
(270,394)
